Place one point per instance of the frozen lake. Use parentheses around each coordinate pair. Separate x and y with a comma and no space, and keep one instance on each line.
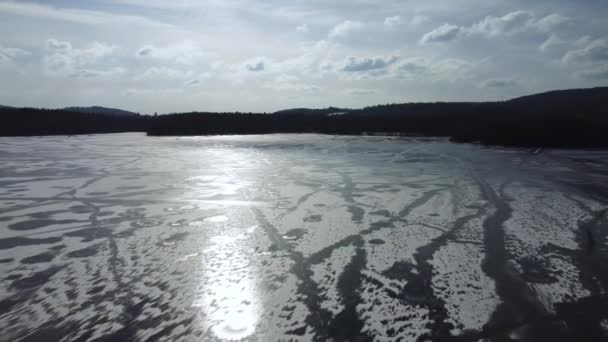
(124,237)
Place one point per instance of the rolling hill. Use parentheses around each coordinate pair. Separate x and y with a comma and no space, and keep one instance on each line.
(565,118)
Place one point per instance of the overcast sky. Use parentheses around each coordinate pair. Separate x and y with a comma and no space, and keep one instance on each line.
(263,55)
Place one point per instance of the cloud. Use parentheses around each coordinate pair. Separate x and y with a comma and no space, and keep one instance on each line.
(595,51)
(94,73)
(302,28)
(418,20)
(591,59)
(255,65)
(583,41)
(359,92)
(552,43)
(54,44)
(355,64)
(551,22)
(596,73)
(443,33)
(507,24)
(79,16)
(391,22)
(497,83)
(186,52)
(310,60)
(163,73)
(423,69)
(146,51)
(405,68)
(345,29)
(451,69)
(239,73)
(152,91)
(91,52)
(286,82)
(192,83)
(9,55)
(65,60)
(558,44)
(493,26)
(412,68)
(360,45)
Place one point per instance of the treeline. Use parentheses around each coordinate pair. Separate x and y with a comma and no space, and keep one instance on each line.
(486,123)
(572,118)
(33,121)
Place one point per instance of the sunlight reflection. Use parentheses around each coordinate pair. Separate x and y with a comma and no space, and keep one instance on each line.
(228,296)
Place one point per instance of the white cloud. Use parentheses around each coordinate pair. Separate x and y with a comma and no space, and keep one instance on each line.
(418,20)
(222,38)
(152,91)
(186,52)
(309,62)
(595,51)
(591,59)
(9,55)
(507,24)
(493,26)
(412,66)
(54,44)
(163,73)
(441,70)
(255,65)
(286,82)
(551,22)
(552,43)
(583,41)
(90,53)
(556,44)
(498,83)
(359,92)
(302,28)
(391,22)
(374,64)
(94,73)
(443,33)
(64,60)
(451,69)
(238,73)
(73,15)
(345,29)
(597,73)
(406,68)
(194,82)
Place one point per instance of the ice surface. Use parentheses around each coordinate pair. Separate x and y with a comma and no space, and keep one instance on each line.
(296,237)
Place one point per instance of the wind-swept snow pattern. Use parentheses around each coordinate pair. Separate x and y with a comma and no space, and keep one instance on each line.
(125,237)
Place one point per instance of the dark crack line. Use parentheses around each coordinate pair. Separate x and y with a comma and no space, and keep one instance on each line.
(318,318)
(520,304)
(324,253)
(439,328)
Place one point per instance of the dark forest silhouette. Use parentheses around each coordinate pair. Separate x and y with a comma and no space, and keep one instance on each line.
(568,118)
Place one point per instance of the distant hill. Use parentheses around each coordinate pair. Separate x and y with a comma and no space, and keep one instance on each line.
(308,111)
(569,97)
(570,118)
(34,121)
(548,103)
(100,110)
(567,118)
